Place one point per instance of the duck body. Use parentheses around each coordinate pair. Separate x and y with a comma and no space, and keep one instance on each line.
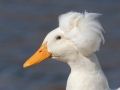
(75,42)
(92,79)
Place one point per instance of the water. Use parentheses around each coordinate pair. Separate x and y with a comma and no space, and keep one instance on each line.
(25,23)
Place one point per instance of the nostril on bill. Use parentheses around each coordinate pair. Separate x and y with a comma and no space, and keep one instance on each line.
(40,51)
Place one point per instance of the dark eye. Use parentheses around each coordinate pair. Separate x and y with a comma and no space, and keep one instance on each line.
(58,37)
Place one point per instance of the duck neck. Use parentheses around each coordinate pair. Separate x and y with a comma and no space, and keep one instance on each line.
(86,74)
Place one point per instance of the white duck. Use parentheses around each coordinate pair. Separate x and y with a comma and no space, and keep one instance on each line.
(74,42)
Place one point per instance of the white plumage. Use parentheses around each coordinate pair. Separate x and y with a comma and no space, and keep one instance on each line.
(75,40)
(81,36)
(83,30)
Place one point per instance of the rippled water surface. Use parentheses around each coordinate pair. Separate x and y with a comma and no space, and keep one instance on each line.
(25,23)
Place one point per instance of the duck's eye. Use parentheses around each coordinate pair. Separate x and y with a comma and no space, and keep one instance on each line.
(58,37)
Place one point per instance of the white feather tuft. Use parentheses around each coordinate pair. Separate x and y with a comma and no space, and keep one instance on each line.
(83,30)
(118,89)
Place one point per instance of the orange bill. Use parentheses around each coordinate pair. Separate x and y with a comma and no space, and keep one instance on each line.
(41,54)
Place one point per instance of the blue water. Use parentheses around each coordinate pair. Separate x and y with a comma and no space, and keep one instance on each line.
(25,23)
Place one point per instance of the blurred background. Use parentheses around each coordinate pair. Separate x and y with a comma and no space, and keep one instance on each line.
(25,23)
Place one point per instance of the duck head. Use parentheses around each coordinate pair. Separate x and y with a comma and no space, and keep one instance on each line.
(77,33)
(55,46)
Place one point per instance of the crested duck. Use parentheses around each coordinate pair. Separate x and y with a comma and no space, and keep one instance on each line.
(75,42)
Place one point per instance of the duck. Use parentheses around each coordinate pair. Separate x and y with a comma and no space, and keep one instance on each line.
(75,42)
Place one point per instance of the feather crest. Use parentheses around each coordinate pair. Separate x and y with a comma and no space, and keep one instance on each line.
(83,30)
